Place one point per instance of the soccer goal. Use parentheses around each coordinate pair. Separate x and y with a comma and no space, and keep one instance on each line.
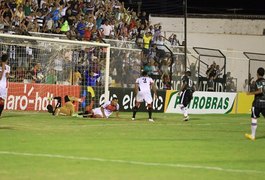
(42,68)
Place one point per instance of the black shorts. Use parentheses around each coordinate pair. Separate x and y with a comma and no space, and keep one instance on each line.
(255,112)
(186,97)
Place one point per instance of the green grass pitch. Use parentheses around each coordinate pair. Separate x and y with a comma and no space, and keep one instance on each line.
(40,146)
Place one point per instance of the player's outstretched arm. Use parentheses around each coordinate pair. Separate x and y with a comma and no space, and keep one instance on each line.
(103,112)
(117,114)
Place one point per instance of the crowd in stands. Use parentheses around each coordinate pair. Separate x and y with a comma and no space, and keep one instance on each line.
(215,74)
(89,20)
(96,20)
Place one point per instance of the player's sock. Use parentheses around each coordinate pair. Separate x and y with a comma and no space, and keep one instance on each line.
(185,111)
(150,112)
(135,109)
(254,126)
(58,104)
(1,105)
(182,108)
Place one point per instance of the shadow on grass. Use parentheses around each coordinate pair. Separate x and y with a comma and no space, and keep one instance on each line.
(6,127)
(261,137)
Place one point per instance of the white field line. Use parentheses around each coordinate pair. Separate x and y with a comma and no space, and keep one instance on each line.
(212,168)
(140,124)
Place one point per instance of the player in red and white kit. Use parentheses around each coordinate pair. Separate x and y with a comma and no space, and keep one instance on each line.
(106,109)
(143,87)
(4,73)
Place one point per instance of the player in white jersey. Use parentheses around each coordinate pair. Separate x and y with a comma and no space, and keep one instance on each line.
(143,87)
(4,73)
(106,109)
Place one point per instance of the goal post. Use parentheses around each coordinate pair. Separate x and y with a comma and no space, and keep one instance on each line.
(42,68)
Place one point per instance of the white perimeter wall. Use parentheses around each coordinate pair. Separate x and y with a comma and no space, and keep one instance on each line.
(231,36)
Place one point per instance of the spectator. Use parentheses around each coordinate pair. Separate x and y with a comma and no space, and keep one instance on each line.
(107,29)
(20,13)
(20,74)
(148,68)
(51,77)
(75,77)
(210,83)
(166,81)
(160,47)
(144,19)
(211,72)
(91,77)
(154,67)
(173,40)
(146,44)
(165,66)
(246,85)
(140,34)
(36,74)
(218,71)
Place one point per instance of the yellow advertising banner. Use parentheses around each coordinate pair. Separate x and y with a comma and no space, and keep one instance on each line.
(243,103)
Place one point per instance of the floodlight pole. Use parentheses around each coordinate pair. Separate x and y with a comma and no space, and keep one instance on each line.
(185,33)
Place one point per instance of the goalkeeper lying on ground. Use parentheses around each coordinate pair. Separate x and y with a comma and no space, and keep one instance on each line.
(67,109)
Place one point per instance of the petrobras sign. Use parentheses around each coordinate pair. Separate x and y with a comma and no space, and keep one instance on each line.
(202,102)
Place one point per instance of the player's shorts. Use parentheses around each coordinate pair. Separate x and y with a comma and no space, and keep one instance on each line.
(144,97)
(185,97)
(255,112)
(65,111)
(97,111)
(3,92)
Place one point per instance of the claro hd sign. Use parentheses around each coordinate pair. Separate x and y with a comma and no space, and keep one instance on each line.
(202,102)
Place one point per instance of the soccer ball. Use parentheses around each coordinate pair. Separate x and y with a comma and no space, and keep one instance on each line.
(40,76)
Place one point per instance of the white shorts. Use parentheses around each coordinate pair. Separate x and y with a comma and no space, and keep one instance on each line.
(97,111)
(3,92)
(144,97)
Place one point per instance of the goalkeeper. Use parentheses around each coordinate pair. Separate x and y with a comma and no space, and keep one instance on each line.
(67,109)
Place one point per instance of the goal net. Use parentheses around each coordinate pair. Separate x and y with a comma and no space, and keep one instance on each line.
(42,68)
